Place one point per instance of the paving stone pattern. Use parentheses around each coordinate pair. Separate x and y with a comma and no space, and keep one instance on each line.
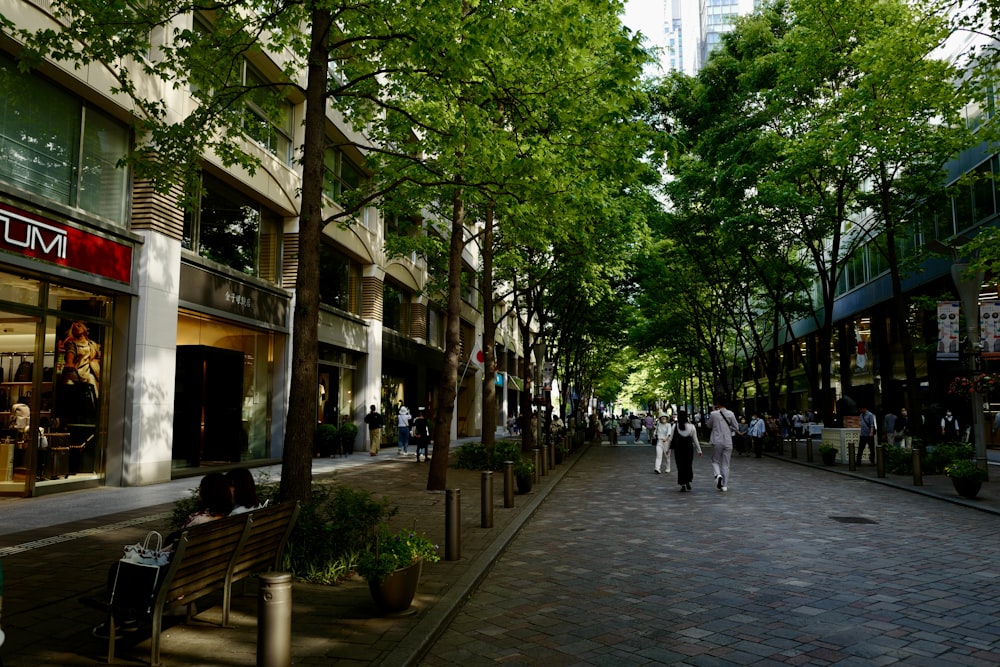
(619,568)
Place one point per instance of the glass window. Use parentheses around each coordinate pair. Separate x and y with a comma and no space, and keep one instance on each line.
(268,121)
(41,151)
(340,174)
(339,280)
(233,230)
(395,309)
(982,192)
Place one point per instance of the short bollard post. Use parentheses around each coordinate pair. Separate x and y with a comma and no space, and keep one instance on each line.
(453,524)
(880,460)
(486,501)
(809,450)
(537,453)
(552,456)
(545,460)
(918,473)
(795,447)
(274,620)
(851,464)
(508,483)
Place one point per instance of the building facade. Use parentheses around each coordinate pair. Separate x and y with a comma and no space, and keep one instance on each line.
(140,341)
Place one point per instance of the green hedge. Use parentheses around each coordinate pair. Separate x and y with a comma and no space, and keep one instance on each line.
(474,456)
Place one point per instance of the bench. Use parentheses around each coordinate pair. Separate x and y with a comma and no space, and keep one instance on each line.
(212,557)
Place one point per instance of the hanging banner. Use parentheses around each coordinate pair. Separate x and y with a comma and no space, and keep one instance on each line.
(989,329)
(947,314)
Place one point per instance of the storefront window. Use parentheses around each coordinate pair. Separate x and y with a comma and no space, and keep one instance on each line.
(52,363)
(222,393)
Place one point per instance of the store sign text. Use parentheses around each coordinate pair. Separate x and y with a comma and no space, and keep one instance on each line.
(32,236)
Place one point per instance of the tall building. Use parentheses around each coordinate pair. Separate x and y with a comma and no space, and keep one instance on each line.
(687,31)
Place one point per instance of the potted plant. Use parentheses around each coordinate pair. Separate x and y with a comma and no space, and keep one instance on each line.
(829,453)
(966,477)
(392,564)
(325,441)
(524,474)
(347,434)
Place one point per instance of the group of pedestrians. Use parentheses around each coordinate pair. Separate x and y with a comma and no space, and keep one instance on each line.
(408,429)
(681,439)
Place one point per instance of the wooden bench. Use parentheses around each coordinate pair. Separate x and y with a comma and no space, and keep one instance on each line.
(212,557)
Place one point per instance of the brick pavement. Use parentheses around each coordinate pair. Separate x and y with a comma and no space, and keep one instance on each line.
(618,568)
(337,625)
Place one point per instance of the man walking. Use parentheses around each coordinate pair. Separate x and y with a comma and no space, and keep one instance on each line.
(374,421)
(867,436)
(721,425)
(756,433)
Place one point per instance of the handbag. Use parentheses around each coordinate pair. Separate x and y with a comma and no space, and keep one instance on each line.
(138,573)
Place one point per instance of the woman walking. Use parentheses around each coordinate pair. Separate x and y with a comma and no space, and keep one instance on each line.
(684,441)
(661,436)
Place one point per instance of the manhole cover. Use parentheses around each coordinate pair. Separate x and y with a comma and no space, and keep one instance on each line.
(852,519)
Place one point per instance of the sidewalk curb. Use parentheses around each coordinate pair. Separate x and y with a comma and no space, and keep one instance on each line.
(419,640)
(956,500)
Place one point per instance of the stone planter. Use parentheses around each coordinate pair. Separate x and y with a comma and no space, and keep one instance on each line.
(394,594)
(966,487)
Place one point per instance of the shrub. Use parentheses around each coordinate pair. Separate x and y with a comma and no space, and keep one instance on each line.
(939,457)
(325,440)
(474,456)
(333,531)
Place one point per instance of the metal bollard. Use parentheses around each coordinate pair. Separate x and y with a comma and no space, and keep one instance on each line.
(508,483)
(809,450)
(486,499)
(538,464)
(880,460)
(918,474)
(545,460)
(552,456)
(851,465)
(795,447)
(274,620)
(453,524)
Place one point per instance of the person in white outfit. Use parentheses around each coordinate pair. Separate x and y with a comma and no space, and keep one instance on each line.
(662,435)
(721,425)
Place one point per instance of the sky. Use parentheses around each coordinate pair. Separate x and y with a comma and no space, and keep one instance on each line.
(645,16)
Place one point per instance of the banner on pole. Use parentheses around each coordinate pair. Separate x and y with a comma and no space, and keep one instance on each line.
(947,314)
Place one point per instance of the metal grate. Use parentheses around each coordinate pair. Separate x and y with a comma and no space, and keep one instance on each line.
(852,519)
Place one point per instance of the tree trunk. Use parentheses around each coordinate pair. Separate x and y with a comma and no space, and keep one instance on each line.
(437,476)
(296,461)
(489,336)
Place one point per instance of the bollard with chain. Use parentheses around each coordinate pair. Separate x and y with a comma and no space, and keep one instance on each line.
(851,465)
(880,460)
(486,499)
(453,524)
(918,474)
(274,620)
(508,483)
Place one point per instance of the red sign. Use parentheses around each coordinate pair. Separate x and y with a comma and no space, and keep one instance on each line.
(33,236)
